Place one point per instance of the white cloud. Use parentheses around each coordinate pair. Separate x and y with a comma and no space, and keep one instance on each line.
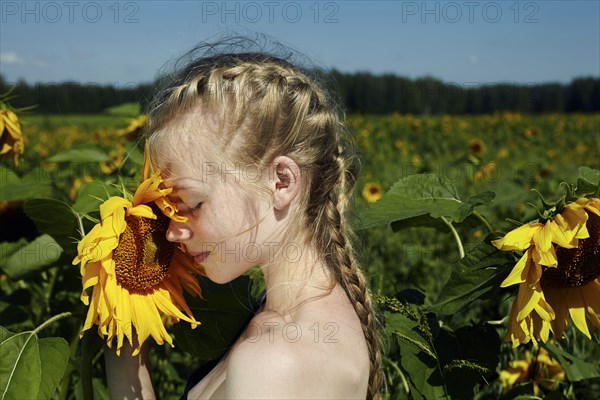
(473,59)
(10,58)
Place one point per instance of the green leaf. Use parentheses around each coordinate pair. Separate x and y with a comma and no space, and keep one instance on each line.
(54,356)
(100,391)
(588,180)
(30,257)
(222,315)
(82,154)
(421,221)
(91,195)
(35,183)
(468,206)
(9,248)
(20,371)
(407,330)
(417,358)
(55,218)
(30,368)
(477,275)
(575,368)
(469,355)
(420,194)
(134,153)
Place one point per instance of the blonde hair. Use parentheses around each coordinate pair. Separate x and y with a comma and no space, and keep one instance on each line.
(275,108)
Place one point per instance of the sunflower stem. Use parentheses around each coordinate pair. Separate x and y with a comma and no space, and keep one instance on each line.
(64,391)
(484,221)
(53,319)
(86,362)
(461,250)
(399,372)
(80,221)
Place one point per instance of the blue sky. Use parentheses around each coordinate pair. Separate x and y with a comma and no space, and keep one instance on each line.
(463,42)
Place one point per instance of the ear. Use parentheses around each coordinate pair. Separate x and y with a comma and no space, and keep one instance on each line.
(287,182)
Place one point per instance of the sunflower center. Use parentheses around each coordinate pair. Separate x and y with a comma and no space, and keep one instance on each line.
(143,256)
(577,267)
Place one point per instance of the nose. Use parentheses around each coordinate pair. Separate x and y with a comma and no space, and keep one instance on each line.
(178,232)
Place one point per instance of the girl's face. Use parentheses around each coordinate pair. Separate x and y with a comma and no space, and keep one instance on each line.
(227,230)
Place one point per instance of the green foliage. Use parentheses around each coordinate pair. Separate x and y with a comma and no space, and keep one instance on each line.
(223,310)
(31,368)
(476,276)
(426,251)
(56,219)
(24,258)
(125,110)
(418,195)
(575,368)
(80,154)
(588,181)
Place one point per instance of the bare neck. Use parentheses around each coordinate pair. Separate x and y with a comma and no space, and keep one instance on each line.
(291,281)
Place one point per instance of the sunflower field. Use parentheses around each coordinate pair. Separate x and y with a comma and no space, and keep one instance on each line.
(480,236)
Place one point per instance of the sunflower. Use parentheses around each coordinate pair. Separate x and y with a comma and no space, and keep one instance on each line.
(135,128)
(542,370)
(136,275)
(372,192)
(11,138)
(476,147)
(558,274)
(116,156)
(488,171)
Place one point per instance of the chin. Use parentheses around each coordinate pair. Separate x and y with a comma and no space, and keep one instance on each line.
(219,277)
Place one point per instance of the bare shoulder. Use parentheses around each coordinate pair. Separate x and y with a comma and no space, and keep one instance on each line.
(319,355)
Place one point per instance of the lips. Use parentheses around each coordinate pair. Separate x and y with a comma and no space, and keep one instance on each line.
(200,257)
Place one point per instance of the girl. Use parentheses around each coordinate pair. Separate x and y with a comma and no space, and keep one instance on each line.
(255,152)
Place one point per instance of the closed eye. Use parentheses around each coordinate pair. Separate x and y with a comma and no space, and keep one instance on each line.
(196,209)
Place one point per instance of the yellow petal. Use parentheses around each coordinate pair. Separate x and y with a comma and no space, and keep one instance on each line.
(544,310)
(543,237)
(544,331)
(11,123)
(593,205)
(591,296)
(142,210)
(114,204)
(527,299)
(562,234)
(519,238)
(149,190)
(534,271)
(165,304)
(157,330)
(573,218)
(146,165)
(5,148)
(578,316)
(547,258)
(141,324)
(519,271)
(169,209)
(90,279)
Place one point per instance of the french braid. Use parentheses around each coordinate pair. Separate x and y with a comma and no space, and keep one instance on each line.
(281,111)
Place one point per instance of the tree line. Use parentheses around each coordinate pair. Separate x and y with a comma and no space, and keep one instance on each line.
(358,92)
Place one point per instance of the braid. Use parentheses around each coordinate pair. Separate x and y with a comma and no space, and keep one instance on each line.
(351,277)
